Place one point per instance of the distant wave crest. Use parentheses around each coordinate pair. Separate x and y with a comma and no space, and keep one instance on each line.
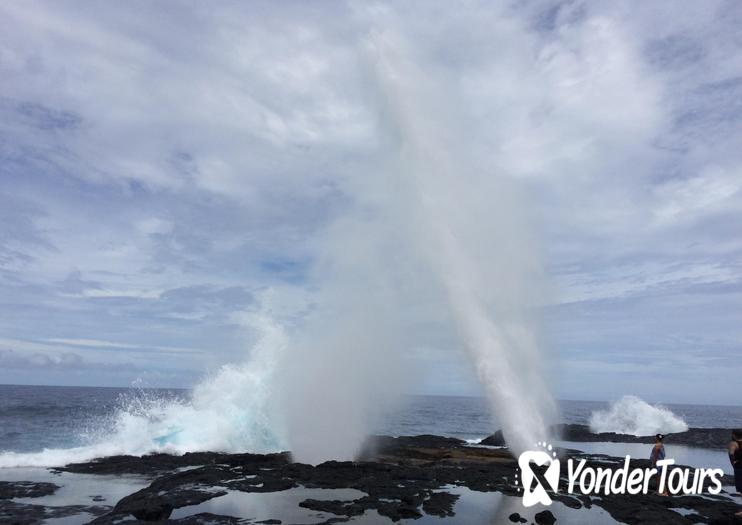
(634,416)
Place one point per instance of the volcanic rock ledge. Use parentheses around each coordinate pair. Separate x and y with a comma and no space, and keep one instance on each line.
(399,478)
(694,437)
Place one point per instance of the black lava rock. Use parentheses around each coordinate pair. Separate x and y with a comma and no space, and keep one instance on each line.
(697,437)
(26,489)
(495,440)
(440,504)
(398,478)
(545,517)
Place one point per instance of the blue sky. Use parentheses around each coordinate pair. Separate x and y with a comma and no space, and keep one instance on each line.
(163,166)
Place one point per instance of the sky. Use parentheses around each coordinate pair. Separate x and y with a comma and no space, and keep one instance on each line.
(164,167)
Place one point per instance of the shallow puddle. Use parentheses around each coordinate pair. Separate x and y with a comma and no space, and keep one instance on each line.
(75,489)
(471,507)
(258,506)
(493,507)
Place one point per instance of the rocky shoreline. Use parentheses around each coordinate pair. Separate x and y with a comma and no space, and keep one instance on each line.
(403,478)
(713,438)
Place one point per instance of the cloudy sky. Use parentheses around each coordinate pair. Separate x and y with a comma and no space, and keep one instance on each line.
(164,166)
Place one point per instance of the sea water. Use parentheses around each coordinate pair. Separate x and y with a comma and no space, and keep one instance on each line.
(48,423)
(35,418)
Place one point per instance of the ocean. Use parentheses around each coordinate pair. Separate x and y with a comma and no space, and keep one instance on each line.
(43,426)
(34,418)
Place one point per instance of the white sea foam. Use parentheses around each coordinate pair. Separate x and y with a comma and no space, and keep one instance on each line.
(633,416)
(230,411)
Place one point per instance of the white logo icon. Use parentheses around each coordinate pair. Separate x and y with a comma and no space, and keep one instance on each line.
(551,476)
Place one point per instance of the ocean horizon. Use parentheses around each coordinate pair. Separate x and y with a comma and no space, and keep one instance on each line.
(63,422)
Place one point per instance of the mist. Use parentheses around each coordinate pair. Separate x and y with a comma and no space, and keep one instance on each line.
(434,231)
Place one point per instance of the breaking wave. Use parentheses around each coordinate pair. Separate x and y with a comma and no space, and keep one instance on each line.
(634,416)
(231,411)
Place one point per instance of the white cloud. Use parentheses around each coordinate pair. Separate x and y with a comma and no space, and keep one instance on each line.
(139,294)
(158,147)
(711,191)
(95,343)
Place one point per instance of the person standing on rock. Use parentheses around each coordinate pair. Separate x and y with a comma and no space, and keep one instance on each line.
(735,457)
(658,453)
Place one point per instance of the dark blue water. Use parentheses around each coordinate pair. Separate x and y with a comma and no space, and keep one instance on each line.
(469,418)
(36,417)
(33,418)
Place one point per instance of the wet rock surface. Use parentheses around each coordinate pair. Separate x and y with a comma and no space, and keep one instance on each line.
(17,513)
(13,513)
(26,489)
(396,478)
(696,437)
(545,517)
